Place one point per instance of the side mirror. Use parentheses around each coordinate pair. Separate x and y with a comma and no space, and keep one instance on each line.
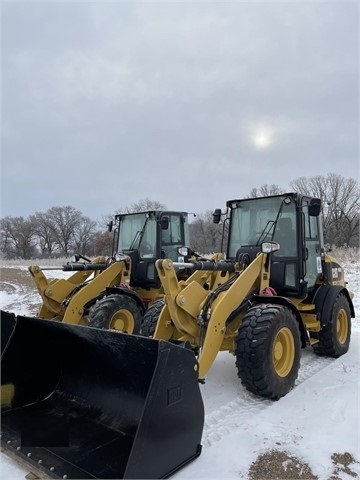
(217,215)
(314,207)
(164,223)
(183,251)
(110,225)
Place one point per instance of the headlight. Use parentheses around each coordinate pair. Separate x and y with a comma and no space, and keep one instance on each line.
(184,251)
(268,247)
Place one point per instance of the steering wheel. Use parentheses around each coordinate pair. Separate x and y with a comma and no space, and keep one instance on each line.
(146,248)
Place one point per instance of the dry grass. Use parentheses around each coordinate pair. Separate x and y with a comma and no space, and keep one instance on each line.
(343,254)
(50,262)
(346,254)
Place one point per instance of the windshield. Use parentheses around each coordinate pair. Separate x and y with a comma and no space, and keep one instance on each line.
(257,220)
(138,232)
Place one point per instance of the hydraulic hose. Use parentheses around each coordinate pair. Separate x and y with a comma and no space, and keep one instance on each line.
(79,267)
(207,265)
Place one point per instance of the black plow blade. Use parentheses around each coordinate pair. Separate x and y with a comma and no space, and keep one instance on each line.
(80,402)
(7,325)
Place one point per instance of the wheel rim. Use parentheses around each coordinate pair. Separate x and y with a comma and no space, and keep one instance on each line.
(342,326)
(122,320)
(283,352)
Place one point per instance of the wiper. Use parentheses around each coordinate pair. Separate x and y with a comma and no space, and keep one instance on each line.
(274,223)
(137,235)
(270,225)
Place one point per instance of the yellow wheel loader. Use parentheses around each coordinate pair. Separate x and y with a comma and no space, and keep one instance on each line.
(276,292)
(115,292)
(80,402)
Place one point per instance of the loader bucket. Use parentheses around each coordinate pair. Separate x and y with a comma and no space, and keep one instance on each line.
(80,402)
(7,325)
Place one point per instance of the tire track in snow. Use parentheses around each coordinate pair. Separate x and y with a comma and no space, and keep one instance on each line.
(310,364)
(223,420)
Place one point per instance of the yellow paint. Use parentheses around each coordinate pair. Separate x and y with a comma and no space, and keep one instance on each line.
(7,393)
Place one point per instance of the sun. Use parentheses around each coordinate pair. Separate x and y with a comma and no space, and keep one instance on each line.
(262,138)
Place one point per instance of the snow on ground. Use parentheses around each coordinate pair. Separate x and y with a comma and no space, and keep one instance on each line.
(316,424)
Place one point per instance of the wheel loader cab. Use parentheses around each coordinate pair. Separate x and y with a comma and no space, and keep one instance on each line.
(293,221)
(148,236)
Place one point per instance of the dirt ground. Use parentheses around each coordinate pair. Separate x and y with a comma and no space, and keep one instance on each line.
(278,465)
(10,276)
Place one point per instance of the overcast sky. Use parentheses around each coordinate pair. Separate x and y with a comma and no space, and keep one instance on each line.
(186,103)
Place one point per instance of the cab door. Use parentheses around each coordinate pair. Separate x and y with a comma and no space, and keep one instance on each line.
(313,242)
(174,236)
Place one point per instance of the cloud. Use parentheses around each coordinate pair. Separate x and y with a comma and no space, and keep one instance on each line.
(167,97)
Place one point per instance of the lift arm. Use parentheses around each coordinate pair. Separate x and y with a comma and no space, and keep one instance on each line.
(200,307)
(64,299)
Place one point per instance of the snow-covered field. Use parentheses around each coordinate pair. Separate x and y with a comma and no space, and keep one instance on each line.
(313,432)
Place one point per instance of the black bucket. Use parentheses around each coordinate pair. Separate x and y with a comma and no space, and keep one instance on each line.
(80,402)
(7,326)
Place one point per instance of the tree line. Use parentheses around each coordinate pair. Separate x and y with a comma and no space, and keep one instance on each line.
(62,231)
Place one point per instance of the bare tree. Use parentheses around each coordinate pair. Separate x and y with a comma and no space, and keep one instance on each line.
(103,223)
(205,235)
(83,235)
(44,231)
(144,205)
(7,250)
(341,206)
(64,221)
(102,243)
(18,234)
(266,190)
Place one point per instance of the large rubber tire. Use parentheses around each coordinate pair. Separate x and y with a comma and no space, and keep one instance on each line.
(116,312)
(150,318)
(268,350)
(334,337)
